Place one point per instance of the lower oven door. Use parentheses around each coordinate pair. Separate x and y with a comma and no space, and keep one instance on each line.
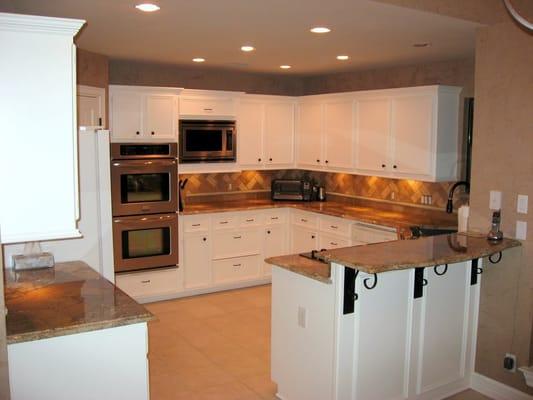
(147,241)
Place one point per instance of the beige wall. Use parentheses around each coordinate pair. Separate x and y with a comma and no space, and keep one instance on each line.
(92,69)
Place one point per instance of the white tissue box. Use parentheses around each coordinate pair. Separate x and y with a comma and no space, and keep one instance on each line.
(33,261)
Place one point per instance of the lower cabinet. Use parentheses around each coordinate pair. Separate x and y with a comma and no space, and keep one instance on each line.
(275,244)
(196,259)
(154,282)
(236,269)
(303,239)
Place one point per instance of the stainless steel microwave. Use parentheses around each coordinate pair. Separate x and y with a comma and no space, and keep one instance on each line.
(207,141)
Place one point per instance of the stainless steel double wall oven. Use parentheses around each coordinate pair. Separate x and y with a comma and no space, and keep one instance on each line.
(144,194)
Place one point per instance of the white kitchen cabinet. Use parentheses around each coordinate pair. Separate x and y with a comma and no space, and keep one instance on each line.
(330,241)
(265,126)
(196,260)
(275,244)
(309,134)
(236,269)
(339,134)
(303,239)
(39,149)
(91,107)
(236,243)
(208,104)
(408,133)
(141,285)
(143,113)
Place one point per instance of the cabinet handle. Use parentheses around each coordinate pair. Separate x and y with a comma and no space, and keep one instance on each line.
(153,133)
(204,239)
(333,243)
(250,220)
(223,222)
(100,121)
(259,159)
(394,166)
(268,232)
(237,265)
(303,220)
(137,133)
(383,165)
(273,217)
(195,224)
(237,237)
(334,227)
(208,109)
(146,281)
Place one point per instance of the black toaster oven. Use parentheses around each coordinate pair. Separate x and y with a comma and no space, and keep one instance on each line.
(291,189)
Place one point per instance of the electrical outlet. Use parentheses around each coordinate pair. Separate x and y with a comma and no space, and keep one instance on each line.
(393,195)
(521,230)
(302,317)
(429,199)
(230,186)
(521,204)
(509,362)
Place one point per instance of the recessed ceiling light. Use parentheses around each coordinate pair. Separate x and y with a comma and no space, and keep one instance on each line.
(147,7)
(285,66)
(320,29)
(198,59)
(247,48)
(422,44)
(342,58)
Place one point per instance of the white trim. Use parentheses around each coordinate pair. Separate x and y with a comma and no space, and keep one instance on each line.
(496,390)
(38,24)
(41,236)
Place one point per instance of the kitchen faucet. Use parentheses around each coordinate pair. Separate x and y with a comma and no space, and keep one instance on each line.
(449,205)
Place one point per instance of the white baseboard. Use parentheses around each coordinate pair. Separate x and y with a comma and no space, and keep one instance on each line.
(496,390)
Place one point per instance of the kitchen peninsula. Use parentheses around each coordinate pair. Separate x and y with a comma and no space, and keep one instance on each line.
(67,323)
(384,321)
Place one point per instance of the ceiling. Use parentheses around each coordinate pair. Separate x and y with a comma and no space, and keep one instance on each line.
(374,35)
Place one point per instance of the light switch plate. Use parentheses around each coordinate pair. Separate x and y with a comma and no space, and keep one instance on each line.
(521,204)
(495,202)
(302,317)
(521,230)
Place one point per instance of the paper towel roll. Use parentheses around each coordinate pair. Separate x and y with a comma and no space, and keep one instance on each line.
(462,218)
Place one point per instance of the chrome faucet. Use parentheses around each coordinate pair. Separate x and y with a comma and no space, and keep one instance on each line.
(449,205)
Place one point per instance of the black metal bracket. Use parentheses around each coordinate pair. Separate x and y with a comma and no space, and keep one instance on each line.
(420,282)
(350,297)
(435,269)
(498,259)
(475,271)
(373,285)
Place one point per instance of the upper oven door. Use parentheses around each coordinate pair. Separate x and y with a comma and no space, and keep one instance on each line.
(144,187)
(208,142)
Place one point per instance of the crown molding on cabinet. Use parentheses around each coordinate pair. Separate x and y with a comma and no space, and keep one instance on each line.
(38,24)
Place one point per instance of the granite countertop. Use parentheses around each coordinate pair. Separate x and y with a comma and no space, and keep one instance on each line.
(67,299)
(396,255)
(365,211)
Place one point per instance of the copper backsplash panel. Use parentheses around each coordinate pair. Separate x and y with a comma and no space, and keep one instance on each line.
(255,183)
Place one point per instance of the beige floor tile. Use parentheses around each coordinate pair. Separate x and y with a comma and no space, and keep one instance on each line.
(228,391)
(262,385)
(469,395)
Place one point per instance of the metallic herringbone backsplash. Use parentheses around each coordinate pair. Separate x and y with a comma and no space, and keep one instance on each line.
(401,190)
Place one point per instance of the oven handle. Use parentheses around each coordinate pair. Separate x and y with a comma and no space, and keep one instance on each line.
(143,163)
(148,218)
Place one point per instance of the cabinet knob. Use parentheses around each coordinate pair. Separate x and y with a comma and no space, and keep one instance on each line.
(327,161)
(317,160)
(270,159)
(394,166)
(137,133)
(153,133)
(204,239)
(383,165)
(312,236)
(268,232)
(259,159)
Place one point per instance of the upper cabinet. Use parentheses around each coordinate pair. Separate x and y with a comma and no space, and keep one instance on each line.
(91,107)
(325,132)
(206,104)
(265,132)
(39,150)
(143,113)
(408,133)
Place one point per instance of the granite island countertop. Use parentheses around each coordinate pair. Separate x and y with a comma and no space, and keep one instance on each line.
(396,255)
(364,211)
(66,299)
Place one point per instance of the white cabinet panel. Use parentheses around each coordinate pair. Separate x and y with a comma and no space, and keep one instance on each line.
(306,219)
(373,134)
(250,134)
(91,106)
(338,133)
(197,260)
(207,106)
(329,241)
(370,233)
(303,239)
(310,134)
(236,243)
(275,245)
(336,226)
(160,116)
(412,119)
(236,269)
(126,109)
(150,283)
(279,133)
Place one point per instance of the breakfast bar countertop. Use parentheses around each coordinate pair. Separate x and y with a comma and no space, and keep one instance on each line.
(396,255)
(66,299)
(365,211)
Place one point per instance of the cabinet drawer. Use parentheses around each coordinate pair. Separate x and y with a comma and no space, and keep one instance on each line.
(250,218)
(194,223)
(236,243)
(309,220)
(236,269)
(337,226)
(370,233)
(207,106)
(328,241)
(152,283)
(275,217)
(225,221)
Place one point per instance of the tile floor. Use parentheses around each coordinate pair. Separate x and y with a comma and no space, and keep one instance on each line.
(216,346)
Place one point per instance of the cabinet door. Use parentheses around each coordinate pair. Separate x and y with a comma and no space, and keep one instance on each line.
(160,116)
(207,106)
(197,260)
(412,119)
(373,134)
(275,245)
(338,134)
(250,134)
(279,133)
(310,134)
(303,240)
(91,106)
(126,110)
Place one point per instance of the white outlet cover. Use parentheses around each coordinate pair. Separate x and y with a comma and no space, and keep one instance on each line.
(495,202)
(521,204)
(302,317)
(521,230)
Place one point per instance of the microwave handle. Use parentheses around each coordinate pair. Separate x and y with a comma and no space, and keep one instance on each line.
(229,139)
